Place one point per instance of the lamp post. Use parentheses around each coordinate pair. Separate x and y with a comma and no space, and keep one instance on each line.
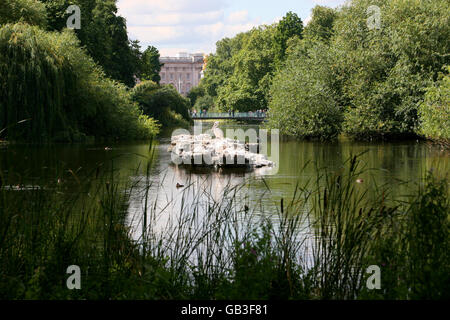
(179,84)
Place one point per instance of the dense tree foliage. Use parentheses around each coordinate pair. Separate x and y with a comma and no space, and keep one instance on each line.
(195,93)
(103,33)
(239,75)
(435,110)
(321,25)
(248,87)
(303,100)
(150,65)
(204,103)
(29,11)
(163,103)
(220,65)
(52,90)
(376,76)
(291,25)
(388,69)
(338,75)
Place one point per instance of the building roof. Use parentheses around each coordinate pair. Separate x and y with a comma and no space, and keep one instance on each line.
(184,57)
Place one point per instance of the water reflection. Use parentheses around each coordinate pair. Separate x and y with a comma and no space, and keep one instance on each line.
(259,191)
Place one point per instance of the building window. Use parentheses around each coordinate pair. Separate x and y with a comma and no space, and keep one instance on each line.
(163,76)
(188,76)
(171,76)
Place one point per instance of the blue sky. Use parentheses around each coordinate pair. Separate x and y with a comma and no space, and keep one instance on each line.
(196,25)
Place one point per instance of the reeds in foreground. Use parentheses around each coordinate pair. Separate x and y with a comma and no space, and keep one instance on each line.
(316,245)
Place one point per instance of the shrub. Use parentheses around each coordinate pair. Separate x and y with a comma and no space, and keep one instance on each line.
(435,110)
(205,102)
(385,71)
(162,103)
(302,98)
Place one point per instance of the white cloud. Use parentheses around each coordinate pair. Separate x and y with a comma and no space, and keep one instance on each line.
(238,17)
(157,6)
(188,25)
(155,33)
(307,20)
(195,25)
(221,29)
(277,19)
(173,18)
(171,52)
(329,3)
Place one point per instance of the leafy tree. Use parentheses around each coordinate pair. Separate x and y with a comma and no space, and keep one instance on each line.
(204,103)
(48,79)
(103,33)
(435,110)
(388,69)
(220,65)
(375,78)
(252,65)
(150,65)
(196,93)
(291,25)
(162,103)
(240,74)
(28,11)
(378,77)
(321,24)
(57,16)
(302,96)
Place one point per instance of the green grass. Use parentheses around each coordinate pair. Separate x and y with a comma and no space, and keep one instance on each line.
(316,245)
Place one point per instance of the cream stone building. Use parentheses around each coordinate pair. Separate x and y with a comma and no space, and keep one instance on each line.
(183,71)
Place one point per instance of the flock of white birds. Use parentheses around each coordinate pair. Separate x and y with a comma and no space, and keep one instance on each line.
(204,150)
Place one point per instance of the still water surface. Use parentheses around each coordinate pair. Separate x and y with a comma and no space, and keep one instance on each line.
(388,163)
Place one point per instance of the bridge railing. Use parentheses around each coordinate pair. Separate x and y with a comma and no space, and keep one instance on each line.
(236,115)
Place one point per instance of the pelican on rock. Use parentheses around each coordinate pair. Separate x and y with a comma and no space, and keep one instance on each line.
(217,132)
(219,152)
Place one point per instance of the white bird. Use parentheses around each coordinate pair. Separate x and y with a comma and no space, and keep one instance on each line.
(217,132)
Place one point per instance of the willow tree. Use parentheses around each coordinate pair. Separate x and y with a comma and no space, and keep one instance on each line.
(48,80)
(29,11)
(35,81)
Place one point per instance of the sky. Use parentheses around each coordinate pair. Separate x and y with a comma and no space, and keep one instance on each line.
(195,26)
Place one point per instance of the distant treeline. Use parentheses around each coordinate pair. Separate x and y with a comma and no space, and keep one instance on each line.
(341,73)
(68,85)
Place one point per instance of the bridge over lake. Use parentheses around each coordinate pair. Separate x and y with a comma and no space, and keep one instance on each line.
(244,116)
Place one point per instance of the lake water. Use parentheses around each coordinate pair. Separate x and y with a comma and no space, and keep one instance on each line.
(388,163)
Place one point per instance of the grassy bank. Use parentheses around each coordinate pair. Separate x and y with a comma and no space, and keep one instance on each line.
(316,245)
